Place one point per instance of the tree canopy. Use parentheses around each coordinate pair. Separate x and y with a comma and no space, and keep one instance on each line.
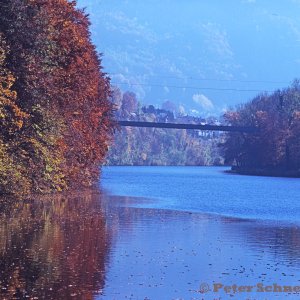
(276,145)
(55,112)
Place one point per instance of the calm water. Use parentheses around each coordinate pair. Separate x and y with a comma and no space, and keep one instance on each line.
(147,235)
(208,189)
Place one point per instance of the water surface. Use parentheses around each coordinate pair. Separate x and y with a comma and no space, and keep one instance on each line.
(199,225)
(208,190)
(150,235)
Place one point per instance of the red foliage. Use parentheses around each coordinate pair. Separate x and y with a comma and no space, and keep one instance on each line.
(276,145)
(60,84)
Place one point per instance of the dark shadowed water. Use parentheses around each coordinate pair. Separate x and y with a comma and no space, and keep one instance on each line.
(149,236)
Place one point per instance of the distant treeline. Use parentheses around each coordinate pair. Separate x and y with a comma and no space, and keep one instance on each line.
(153,146)
(275,148)
(55,112)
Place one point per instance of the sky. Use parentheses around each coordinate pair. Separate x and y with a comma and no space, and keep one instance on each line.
(205,56)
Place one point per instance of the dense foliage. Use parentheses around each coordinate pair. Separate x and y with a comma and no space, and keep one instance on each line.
(55,112)
(275,148)
(153,146)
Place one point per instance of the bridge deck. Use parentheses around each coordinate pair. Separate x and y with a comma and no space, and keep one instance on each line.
(188,126)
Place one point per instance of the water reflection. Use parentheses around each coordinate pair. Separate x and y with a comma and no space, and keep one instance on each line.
(281,240)
(166,252)
(59,248)
(54,247)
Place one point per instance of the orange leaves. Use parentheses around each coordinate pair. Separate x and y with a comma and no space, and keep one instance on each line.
(232,116)
(54,99)
(84,92)
(11,115)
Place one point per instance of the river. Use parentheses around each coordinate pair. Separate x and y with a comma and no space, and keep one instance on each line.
(156,233)
(208,190)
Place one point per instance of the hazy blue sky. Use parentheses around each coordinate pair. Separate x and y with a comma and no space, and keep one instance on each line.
(194,52)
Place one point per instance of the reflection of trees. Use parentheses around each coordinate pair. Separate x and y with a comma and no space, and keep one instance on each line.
(53,248)
(277,239)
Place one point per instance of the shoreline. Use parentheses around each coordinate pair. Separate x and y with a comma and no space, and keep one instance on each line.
(231,170)
(264,172)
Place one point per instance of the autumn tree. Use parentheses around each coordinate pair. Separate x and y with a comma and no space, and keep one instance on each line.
(275,146)
(129,103)
(58,84)
(116,98)
(12,120)
(160,146)
(81,92)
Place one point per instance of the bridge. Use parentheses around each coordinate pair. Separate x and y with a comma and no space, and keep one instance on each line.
(188,126)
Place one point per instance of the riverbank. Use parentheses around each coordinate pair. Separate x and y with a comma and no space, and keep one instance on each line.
(265,172)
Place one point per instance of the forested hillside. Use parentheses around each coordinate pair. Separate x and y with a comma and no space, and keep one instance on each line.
(275,148)
(55,112)
(153,146)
